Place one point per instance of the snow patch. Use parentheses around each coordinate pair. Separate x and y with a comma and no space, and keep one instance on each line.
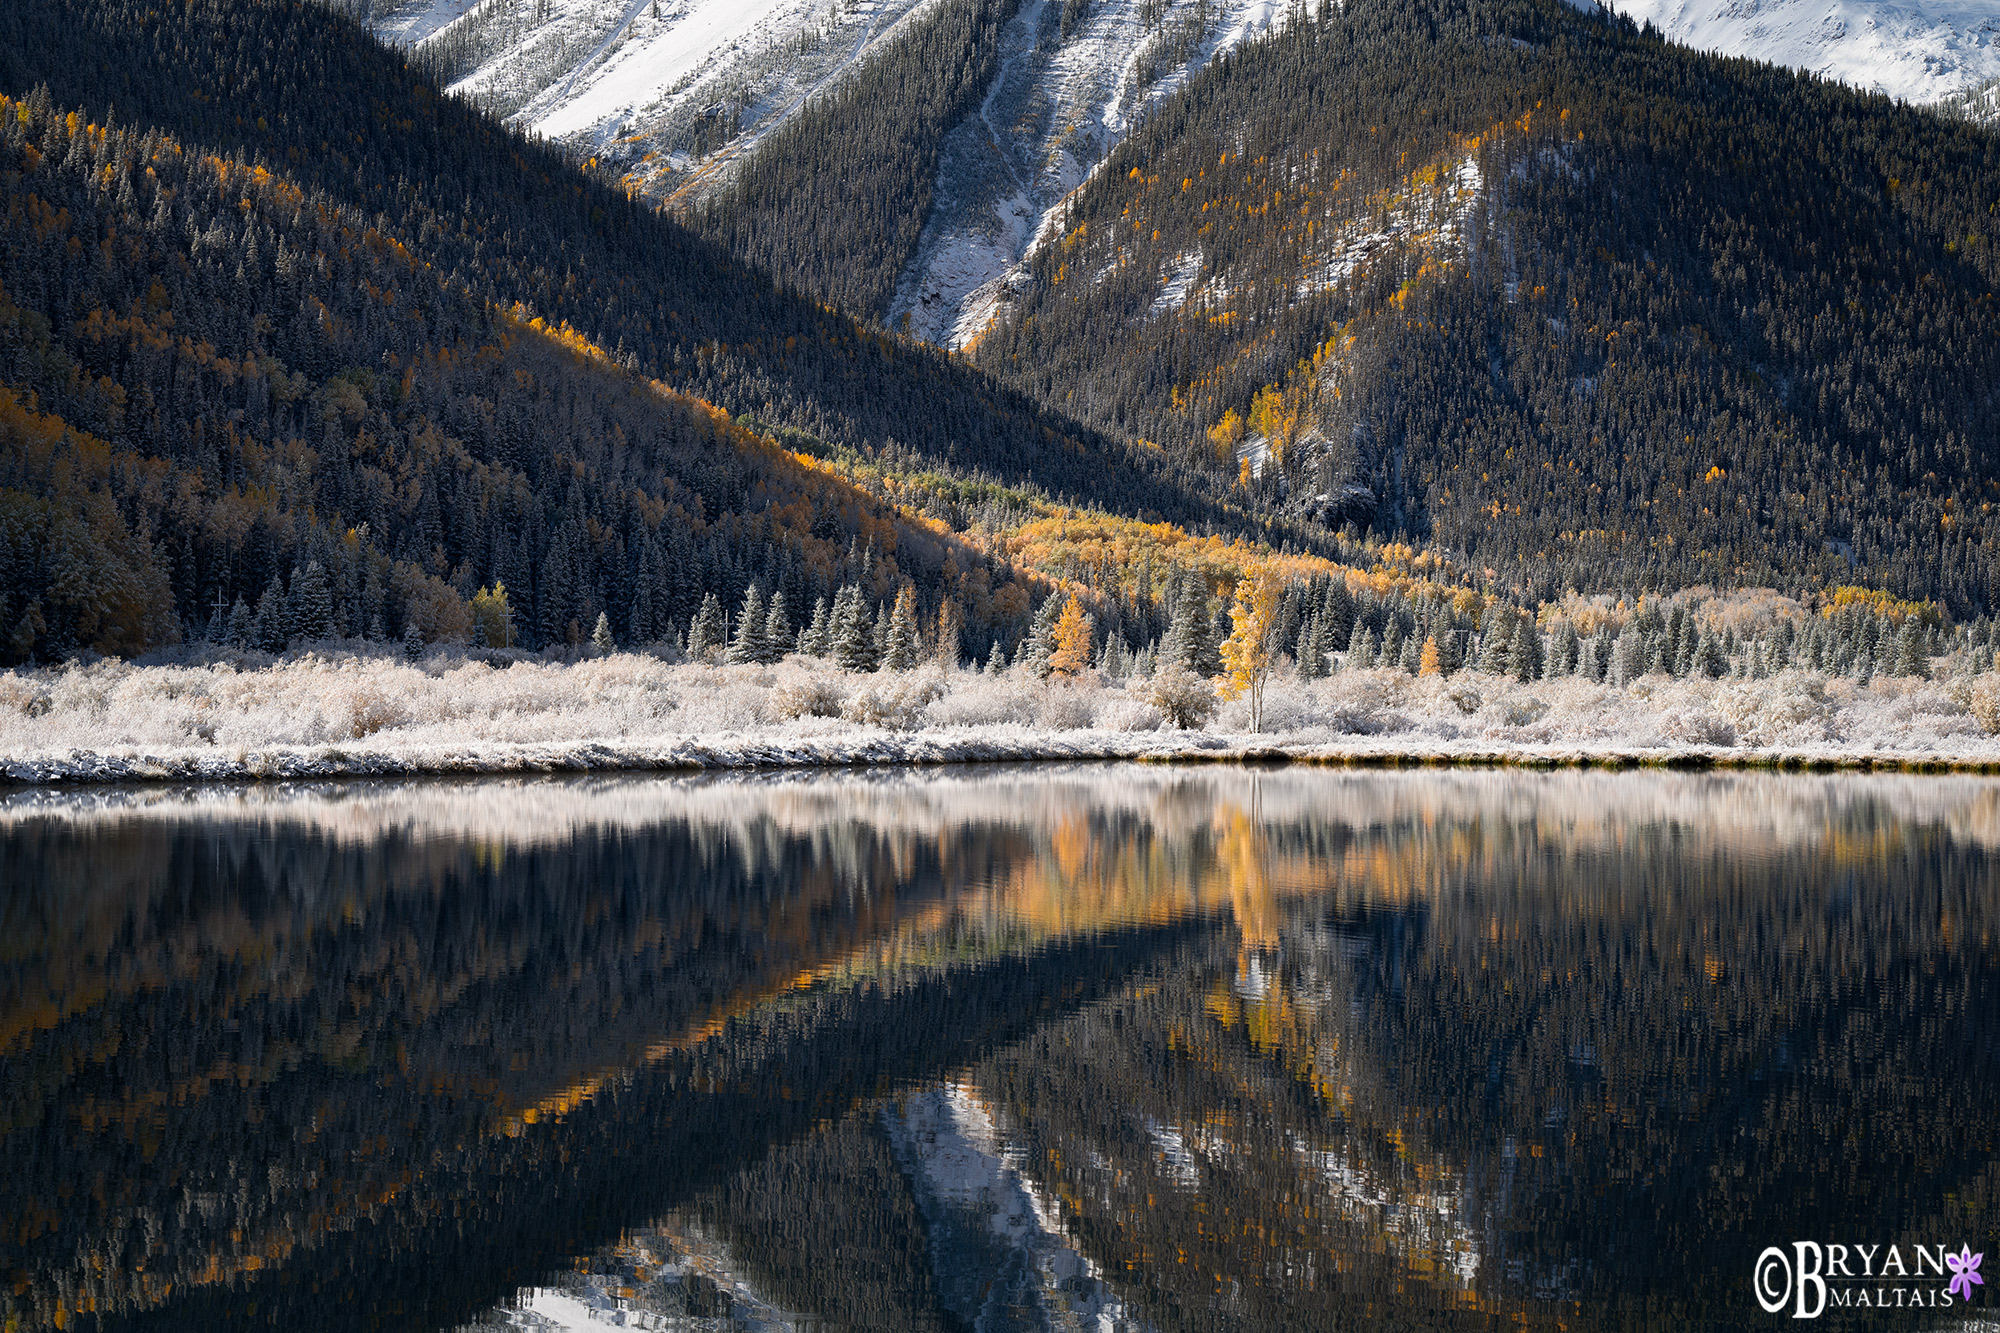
(1917,50)
(1056,108)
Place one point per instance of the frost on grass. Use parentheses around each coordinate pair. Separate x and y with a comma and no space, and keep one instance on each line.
(344,711)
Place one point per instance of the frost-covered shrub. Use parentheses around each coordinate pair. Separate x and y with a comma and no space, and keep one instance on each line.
(893,699)
(1983,699)
(362,708)
(1698,726)
(1066,708)
(978,700)
(808,696)
(1183,698)
(1129,714)
(1790,708)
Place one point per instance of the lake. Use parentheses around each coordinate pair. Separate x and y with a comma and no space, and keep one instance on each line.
(1095,1047)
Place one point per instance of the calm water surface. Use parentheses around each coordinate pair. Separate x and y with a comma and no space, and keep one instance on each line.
(1098,1048)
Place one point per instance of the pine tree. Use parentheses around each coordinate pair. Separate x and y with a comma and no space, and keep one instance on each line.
(311,603)
(1496,642)
(748,645)
(600,637)
(1568,651)
(241,629)
(1360,647)
(413,642)
(705,632)
(1186,644)
(1525,660)
(777,629)
(1912,653)
(270,629)
(853,646)
(899,644)
(996,659)
(817,641)
(1309,656)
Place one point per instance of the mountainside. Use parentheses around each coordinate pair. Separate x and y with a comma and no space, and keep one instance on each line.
(1919,51)
(303,311)
(1562,297)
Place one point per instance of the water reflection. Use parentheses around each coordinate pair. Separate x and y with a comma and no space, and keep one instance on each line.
(1106,1048)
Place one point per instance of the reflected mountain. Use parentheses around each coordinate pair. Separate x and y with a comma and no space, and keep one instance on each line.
(1119,1048)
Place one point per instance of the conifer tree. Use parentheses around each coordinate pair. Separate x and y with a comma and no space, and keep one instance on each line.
(600,637)
(241,628)
(311,603)
(777,629)
(899,644)
(413,642)
(270,628)
(1496,642)
(706,631)
(818,638)
(748,645)
(853,631)
(1912,655)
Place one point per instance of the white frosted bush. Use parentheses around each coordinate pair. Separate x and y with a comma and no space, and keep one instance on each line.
(893,699)
(1067,708)
(1129,714)
(978,700)
(808,696)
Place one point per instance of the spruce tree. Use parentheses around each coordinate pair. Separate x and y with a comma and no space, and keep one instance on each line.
(853,647)
(600,637)
(818,638)
(777,629)
(413,642)
(242,625)
(748,645)
(270,629)
(311,603)
(706,630)
(899,645)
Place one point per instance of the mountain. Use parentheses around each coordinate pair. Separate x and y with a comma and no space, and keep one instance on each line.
(286,307)
(1550,292)
(896,158)
(1923,51)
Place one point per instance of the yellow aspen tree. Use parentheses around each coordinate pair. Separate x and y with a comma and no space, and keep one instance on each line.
(1428,664)
(1071,657)
(1248,653)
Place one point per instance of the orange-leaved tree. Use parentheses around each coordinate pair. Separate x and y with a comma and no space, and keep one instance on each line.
(1248,653)
(1071,657)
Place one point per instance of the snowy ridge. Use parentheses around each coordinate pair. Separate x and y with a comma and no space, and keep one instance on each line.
(1058,105)
(1917,50)
(660,87)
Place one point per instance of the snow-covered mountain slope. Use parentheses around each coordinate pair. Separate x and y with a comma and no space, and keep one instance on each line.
(1059,104)
(672,92)
(656,86)
(1918,50)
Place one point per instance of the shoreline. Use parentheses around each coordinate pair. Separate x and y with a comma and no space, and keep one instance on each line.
(922,750)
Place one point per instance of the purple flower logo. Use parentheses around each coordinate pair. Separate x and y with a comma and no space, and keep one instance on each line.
(1965,1271)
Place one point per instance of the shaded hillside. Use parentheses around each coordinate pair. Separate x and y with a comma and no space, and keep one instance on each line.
(835,199)
(302,310)
(1587,307)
